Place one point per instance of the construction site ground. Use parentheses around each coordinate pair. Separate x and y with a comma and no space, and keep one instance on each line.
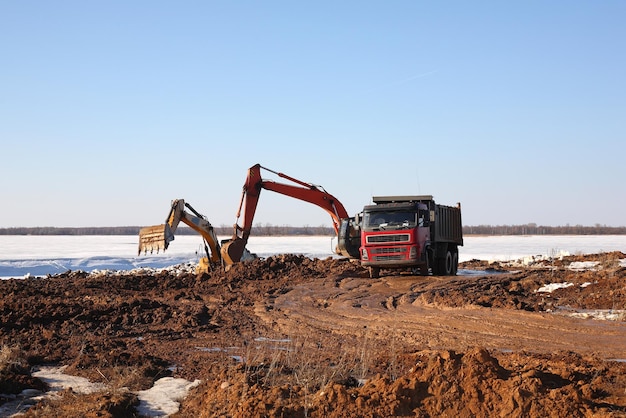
(288,336)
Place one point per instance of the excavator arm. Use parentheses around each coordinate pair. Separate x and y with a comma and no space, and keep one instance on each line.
(158,237)
(233,250)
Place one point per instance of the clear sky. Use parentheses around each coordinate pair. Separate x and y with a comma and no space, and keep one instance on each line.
(111,109)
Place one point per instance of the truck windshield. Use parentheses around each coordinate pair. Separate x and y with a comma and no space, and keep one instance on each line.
(389,220)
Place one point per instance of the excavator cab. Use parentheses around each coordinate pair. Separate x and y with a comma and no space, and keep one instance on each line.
(349,237)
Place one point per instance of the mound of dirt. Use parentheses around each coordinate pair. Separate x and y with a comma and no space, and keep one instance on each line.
(288,336)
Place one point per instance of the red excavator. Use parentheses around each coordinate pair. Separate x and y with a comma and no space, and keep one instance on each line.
(233,250)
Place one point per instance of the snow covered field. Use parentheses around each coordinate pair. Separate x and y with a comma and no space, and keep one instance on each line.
(36,255)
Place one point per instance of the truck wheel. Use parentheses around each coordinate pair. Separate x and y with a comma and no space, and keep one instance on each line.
(439,269)
(448,264)
(455,262)
(374,272)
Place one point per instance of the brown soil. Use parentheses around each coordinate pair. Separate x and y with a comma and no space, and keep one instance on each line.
(294,337)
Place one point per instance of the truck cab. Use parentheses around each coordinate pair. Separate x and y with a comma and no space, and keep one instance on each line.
(410,232)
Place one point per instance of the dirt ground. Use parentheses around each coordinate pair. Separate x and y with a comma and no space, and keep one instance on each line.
(292,337)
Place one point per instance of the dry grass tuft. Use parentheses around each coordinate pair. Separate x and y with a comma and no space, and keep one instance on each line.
(10,358)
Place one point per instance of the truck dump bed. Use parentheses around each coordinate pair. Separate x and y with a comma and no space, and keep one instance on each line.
(448,226)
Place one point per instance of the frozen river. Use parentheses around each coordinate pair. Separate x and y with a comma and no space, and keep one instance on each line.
(37,255)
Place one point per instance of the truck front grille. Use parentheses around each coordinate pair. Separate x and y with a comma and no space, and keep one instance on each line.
(387,254)
(393,257)
(388,250)
(375,239)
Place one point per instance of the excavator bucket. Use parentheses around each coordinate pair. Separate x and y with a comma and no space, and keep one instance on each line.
(157,237)
(232,251)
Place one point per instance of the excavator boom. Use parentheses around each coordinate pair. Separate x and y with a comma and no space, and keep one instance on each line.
(233,250)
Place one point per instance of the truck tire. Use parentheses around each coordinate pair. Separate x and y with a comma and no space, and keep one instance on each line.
(439,268)
(447,264)
(374,272)
(455,262)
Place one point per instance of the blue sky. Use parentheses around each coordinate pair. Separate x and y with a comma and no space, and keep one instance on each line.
(111,109)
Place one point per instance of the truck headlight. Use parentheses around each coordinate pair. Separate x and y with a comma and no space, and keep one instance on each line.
(364,255)
(413,253)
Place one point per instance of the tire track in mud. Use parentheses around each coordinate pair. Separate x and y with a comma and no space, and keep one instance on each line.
(393,307)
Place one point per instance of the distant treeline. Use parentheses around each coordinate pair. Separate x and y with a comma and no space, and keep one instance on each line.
(534,229)
(265,230)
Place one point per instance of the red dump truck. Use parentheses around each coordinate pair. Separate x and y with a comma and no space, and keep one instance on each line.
(410,232)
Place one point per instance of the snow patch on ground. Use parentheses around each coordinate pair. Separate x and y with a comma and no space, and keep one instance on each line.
(533,259)
(600,314)
(549,288)
(20,403)
(583,265)
(58,381)
(162,400)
